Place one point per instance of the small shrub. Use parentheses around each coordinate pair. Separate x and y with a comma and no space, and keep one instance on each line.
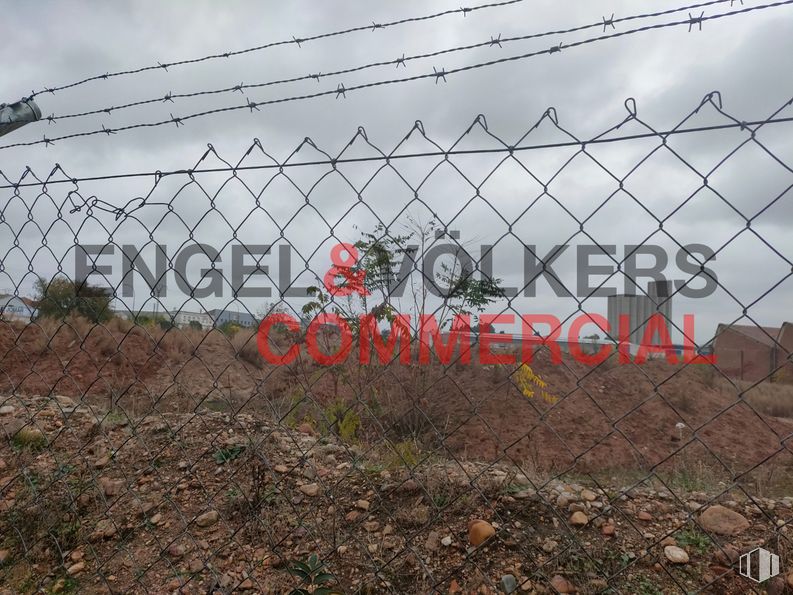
(529,383)
(230,328)
(343,421)
(693,538)
(406,454)
(313,578)
(224,455)
(29,438)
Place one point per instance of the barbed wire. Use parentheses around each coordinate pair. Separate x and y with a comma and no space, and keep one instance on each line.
(436,74)
(399,61)
(298,41)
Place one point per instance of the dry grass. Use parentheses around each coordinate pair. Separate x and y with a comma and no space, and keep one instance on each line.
(771,398)
(246,347)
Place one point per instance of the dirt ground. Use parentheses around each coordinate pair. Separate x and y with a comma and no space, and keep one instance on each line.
(142,461)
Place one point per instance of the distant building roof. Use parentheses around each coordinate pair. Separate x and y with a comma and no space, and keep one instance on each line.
(767,335)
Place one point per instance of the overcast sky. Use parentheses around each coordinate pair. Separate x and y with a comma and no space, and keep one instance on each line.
(668,71)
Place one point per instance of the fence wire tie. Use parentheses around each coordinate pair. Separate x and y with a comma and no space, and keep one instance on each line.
(315,76)
(47,142)
(168,97)
(298,41)
(163,66)
(692,20)
(239,87)
(50,119)
(401,61)
(495,41)
(177,121)
(341,91)
(550,113)
(252,105)
(608,22)
(108,131)
(630,105)
(708,98)
(439,74)
(376,26)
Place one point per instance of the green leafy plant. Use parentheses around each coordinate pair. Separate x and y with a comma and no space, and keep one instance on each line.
(313,578)
(696,540)
(344,421)
(647,587)
(225,455)
(60,297)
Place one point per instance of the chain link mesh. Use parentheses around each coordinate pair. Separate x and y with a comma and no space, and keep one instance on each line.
(148,447)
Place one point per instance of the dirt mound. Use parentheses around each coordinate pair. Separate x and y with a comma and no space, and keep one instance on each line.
(554,418)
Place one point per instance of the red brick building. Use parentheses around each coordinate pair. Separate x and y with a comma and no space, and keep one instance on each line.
(749,352)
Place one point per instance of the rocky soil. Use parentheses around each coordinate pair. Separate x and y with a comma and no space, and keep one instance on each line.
(207,502)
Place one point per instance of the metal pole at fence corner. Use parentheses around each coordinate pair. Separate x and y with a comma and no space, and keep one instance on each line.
(15,115)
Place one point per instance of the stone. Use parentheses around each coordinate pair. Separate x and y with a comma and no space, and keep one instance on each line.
(727,555)
(446,541)
(246,585)
(306,428)
(105,529)
(776,586)
(668,540)
(723,521)
(281,469)
(102,462)
(644,516)
(608,529)
(310,489)
(479,531)
(362,504)
(75,568)
(578,519)
(562,585)
(195,565)
(676,555)
(207,519)
(352,516)
(175,550)
(509,584)
(4,555)
(433,541)
(549,545)
(111,487)
(7,410)
(790,580)
(371,526)
(588,495)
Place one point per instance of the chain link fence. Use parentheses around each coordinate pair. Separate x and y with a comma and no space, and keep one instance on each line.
(219,379)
